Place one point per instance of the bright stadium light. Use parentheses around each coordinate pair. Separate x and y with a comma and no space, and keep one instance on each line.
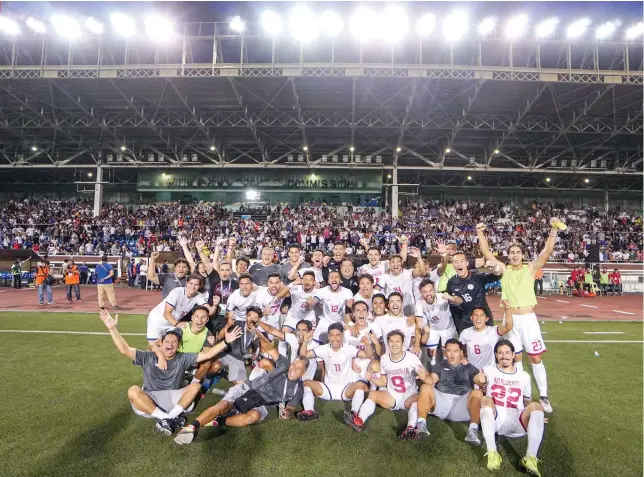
(364,23)
(496,151)
(36,25)
(577,28)
(94,26)
(547,179)
(271,22)
(487,26)
(331,24)
(9,26)
(517,26)
(546,28)
(455,26)
(394,24)
(66,27)
(123,25)
(426,24)
(303,24)
(34,148)
(159,28)
(351,148)
(398,149)
(212,148)
(635,31)
(236,24)
(123,148)
(469,178)
(586,180)
(605,31)
(448,150)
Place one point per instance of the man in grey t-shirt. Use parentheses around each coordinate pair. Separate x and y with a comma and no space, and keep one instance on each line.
(281,386)
(162,396)
(295,259)
(168,281)
(261,270)
(451,396)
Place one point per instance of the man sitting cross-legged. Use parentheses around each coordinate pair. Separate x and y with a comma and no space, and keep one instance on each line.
(161,396)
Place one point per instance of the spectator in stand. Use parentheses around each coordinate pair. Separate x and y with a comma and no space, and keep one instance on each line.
(131,273)
(43,282)
(72,281)
(105,283)
(616,281)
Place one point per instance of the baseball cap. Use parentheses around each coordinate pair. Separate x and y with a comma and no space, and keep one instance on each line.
(176,331)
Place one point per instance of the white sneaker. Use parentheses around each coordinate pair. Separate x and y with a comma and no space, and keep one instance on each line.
(545,402)
(421,429)
(472,437)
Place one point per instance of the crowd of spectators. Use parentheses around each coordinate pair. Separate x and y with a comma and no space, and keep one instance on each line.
(69,228)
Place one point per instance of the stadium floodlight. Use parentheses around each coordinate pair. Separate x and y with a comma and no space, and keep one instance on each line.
(448,150)
(9,26)
(586,180)
(577,28)
(305,148)
(487,26)
(331,24)
(547,179)
(394,24)
(455,25)
(89,174)
(123,148)
(351,148)
(388,176)
(94,26)
(605,31)
(469,178)
(237,24)
(123,25)
(635,31)
(159,28)
(546,28)
(212,148)
(364,24)
(398,149)
(426,24)
(271,22)
(517,26)
(66,26)
(36,25)
(303,24)
(496,151)
(34,148)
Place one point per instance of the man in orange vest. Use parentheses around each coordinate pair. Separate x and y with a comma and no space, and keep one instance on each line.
(538,281)
(42,282)
(72,281)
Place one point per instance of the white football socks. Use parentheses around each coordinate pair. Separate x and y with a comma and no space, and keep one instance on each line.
(366,410)
(412,415)
(175,412)
(159,414)
(535,433)
(519,365)
(308,401)
(357,400)
(488,426)
(539,372)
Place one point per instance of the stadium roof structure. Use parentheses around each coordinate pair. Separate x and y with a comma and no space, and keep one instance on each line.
(511,113)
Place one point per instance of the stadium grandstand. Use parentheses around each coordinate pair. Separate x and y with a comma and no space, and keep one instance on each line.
(138,140)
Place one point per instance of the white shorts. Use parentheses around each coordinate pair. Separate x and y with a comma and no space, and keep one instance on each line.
(238,391)
(442,335)
(236,368)
(528,333)
(508,422)
(450,407)
(165,400)
(400,400)
(291,321)
(157,325)
(334,391)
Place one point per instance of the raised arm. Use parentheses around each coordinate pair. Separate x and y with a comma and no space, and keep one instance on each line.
(426,377)
(541,260)
(119,341)
(152,268)
(507,325)
(404,247)
(205,259)
(213,351)
(183,241)
(483,243)
(453,299)
(420,269)
(442,251)
(304,347)
(167,314)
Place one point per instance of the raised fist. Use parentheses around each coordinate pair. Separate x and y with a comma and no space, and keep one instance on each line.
(480,227)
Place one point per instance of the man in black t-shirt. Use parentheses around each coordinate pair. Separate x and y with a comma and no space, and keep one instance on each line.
(222,284)
(469,289)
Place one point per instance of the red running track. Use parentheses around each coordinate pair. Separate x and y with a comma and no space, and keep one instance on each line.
(134,300)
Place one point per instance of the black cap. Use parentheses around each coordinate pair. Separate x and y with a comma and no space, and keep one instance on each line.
(176,331)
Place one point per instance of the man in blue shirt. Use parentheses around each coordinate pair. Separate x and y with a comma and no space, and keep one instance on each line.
(105,283)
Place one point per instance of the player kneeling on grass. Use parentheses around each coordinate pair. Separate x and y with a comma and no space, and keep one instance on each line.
(397,372)
(338,382)
(448,392)
(507,409)
(246,404)
(161,396)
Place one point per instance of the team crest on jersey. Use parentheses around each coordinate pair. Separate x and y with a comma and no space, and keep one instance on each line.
(470,287)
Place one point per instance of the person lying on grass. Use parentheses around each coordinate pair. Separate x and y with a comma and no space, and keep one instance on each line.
(161,396)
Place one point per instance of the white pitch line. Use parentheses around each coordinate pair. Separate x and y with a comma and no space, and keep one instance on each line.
(596,341)
(589,306)
(562,301)
(603,332)
(623,312)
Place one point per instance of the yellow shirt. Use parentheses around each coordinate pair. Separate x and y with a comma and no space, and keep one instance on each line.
(449,272)
(517,286)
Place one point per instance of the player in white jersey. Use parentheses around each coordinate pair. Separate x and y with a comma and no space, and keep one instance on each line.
(480,339)
(339,384)
(241,299)
(431,275)
(267,301)
(396,320)
(335,300)
(175,306)
(353,336)
(378,306)
(508,410)
(397,371)
(438,324)
(401,280)
(375,267)
(365,291)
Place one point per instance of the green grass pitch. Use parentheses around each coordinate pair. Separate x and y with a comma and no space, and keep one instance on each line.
(65,413)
